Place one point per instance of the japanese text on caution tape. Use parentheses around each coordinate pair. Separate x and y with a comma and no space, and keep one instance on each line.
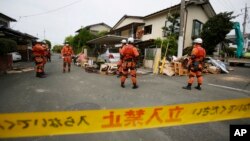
(94,121)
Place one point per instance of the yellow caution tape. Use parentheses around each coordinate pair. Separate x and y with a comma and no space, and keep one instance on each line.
(93,121)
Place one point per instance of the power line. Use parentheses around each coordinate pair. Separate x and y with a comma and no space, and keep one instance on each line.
(16,22)
(50,11)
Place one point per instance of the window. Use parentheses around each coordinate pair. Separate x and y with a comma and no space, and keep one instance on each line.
(171,27)
(197,27)
(3,23)
(130,33)
(118,33)
(148,29)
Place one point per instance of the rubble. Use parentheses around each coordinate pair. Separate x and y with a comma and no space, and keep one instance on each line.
(213,70)
(177,66)
(218,64)
(172,66)
(108,68)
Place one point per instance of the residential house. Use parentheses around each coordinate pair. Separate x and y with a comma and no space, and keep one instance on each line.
(96,28)
(23,40)
(150,27)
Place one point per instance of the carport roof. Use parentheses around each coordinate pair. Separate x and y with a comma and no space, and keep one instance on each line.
(108,39)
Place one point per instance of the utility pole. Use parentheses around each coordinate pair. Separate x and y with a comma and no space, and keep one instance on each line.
(44,34)
(181,33)
(244,29)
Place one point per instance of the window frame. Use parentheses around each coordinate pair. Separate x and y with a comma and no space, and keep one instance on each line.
(148,31)
(194,28)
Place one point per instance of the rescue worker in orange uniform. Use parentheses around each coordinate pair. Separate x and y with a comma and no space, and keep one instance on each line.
(129,56)
(67,53)
(195,64)
(44,45)
(119,64)
(38,53)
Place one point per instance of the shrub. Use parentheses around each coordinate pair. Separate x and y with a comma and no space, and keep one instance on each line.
(7,45)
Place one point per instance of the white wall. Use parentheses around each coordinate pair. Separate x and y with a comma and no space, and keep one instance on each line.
(100,28)
(129,21)
(157,23)
(194,12)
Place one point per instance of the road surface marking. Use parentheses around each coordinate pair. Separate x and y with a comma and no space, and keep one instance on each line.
(231,88)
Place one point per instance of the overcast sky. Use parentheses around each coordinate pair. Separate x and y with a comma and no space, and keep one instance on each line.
(64,17)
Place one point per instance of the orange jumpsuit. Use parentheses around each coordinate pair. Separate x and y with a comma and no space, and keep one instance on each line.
(45,55)
(119,64)
(66,53)
(38,52)
(129,57)
(195,64)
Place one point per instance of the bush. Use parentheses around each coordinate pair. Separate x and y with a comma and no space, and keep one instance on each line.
(171,42)
(7,45)
(231,52)
(188,50)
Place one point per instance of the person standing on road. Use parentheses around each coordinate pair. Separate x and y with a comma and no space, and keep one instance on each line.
(119,64)
(45,55)
(129,56)
(67,53)
(38,53)
(195,64)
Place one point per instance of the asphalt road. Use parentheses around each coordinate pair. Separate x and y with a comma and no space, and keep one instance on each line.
(79,90)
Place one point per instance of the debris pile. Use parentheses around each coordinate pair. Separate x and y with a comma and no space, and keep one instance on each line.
(178,66)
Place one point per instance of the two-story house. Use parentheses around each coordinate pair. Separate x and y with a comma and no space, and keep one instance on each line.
(145,29)
(151,26)
(96,28)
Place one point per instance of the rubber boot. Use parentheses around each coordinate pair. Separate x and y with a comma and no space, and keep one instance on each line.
(122,85)
(40,75)
(188,87)
(135,86)
(198,87)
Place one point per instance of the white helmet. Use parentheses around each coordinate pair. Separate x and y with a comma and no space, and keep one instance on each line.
(124,41)
(198,40)
(131,40)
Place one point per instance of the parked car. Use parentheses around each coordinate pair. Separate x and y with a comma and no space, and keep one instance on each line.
(111,55)
(16,56)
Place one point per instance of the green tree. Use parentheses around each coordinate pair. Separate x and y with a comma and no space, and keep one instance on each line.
(7,45)
(172,30)
(215,30)
(48,43)
(69,39)
(171,42)
(57,48)
(80,40)
(172,25)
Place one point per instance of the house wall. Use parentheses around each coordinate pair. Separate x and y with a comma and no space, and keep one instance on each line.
(6,21)
(157,23)
(125,33)
(100,28)
(129,21)
(194,12)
